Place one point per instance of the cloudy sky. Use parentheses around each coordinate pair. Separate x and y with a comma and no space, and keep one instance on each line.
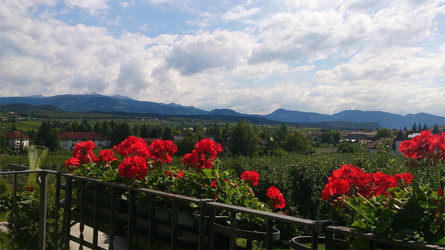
(251,56)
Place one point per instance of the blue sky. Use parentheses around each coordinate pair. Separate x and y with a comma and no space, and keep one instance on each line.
(251,56)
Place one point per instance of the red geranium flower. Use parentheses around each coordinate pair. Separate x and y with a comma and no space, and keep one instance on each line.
(162,150)
(133,167)
(214,183)
(132,146)
(83,152)
(201,157)
(179,175)
(106,156)
(276,197)
(252,177)
(73,161)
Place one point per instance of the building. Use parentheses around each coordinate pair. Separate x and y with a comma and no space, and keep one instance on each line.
(69,139)
(17,140)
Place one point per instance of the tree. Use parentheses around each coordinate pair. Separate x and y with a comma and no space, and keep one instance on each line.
(297,142)
(244,139)
(327,138)
(414,129)
(120,133)
(436,129)
(282,132)
(383,133)
(187,145)
(46,136)
(217,133)
(167,134)
(84,127)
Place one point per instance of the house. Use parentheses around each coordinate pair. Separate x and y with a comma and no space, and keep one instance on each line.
(17,140)
(69,139)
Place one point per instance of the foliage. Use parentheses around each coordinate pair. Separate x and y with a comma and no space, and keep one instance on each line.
(244,139)
(349,147)
(383,133)
(297,142)
(26,219)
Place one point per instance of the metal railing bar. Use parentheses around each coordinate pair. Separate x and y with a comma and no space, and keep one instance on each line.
(113,208)
(232,243)
(174,233)
(82,212)
(85,243)
(43,210)
(263,214)
(131,219)
(269,225)
(151,218)
(95,214)
(211,228)
(371,236)
(67,212)
(202,223)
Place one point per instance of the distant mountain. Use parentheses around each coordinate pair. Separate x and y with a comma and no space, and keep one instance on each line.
(95,102)
(226,112)
(26,108)
(118,103)
(296,116)
(385,119)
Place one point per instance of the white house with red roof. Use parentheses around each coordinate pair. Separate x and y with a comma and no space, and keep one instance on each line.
(17,140)
(69,139)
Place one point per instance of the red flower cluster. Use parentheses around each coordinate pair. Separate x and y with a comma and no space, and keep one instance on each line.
(201,157)
(276,197)
(214,184)
(350,177)
(106,156)
(252,177)
(159,150)
(82,154)
(132,146)
(179,175)
(133,166)
(426,145)
(162,150)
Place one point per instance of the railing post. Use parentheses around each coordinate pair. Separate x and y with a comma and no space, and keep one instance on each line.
(232,243)
(151,221)
(131,219)
(174,235)
(202,223)
(329,237)
(67,212)
(318,228)
(269,224)
(43,209)
(211,228)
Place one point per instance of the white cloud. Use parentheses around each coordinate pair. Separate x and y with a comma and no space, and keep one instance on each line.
(220,49)
(91,5)
(322,56)
(239,12)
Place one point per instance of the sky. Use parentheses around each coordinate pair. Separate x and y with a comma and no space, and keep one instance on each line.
(250,56)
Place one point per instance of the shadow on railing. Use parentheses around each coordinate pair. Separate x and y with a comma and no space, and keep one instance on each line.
(153,219)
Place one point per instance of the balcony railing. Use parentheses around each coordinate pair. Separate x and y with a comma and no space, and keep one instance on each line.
(121,218)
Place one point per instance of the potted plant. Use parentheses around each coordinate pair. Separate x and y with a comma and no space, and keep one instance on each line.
(148,166)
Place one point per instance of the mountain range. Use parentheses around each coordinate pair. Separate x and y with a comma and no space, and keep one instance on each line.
(102,103)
